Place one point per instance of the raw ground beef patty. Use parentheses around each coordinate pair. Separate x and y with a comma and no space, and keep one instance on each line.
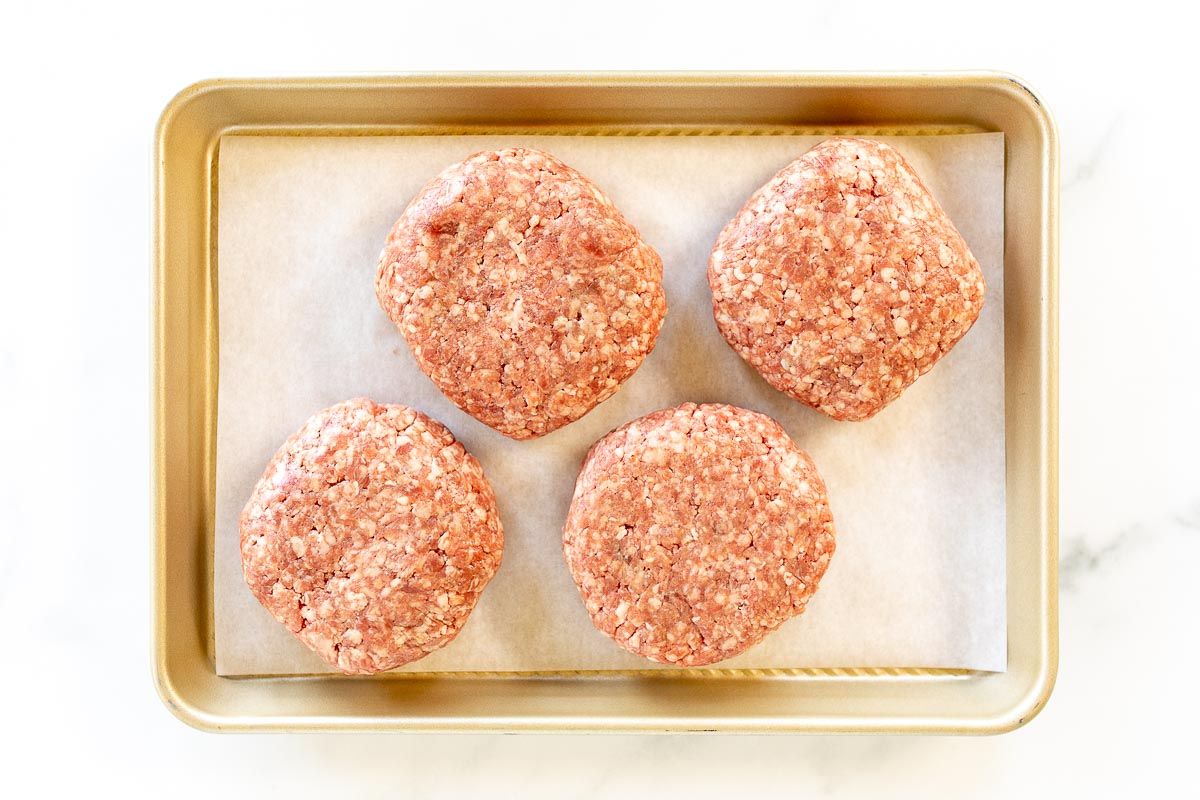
(523,293)
(370,535)
(696,531)
(842,280)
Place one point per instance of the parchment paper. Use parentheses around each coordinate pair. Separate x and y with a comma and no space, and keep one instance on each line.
(917,493)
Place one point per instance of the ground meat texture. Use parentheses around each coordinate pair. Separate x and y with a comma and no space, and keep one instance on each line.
(370,535)
(696,531)
(522,291)
(842,280)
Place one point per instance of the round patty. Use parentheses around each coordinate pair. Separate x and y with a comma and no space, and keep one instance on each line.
(370,535)
(696,531)
(842,280)
(521,290)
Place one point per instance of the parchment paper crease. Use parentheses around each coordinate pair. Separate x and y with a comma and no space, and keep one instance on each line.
(917,492)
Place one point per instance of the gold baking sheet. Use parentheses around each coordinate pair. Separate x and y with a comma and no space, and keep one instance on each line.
(772,700)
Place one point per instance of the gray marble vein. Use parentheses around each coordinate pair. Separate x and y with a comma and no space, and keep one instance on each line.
(1087,167)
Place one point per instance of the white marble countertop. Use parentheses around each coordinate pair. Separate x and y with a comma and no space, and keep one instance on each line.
(83,87)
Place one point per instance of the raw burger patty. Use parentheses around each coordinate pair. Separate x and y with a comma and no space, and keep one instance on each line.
(696,531)
(370,535)
(522,291)
(842,280)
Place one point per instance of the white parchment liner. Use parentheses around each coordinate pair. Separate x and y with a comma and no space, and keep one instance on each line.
(917,493)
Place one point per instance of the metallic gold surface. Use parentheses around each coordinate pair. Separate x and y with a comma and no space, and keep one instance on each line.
(694,104)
